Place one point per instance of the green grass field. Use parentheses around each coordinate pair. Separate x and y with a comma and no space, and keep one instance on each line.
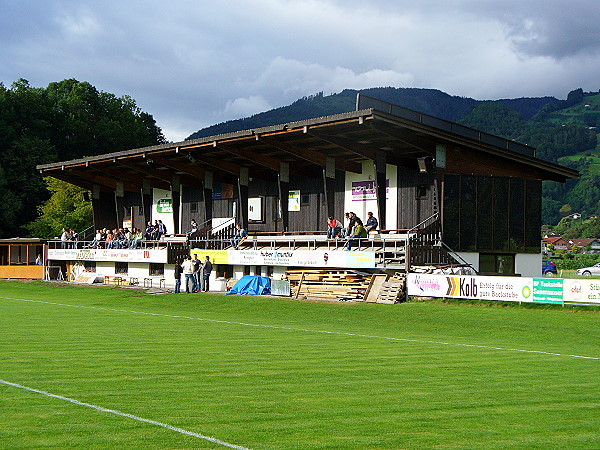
(277,373)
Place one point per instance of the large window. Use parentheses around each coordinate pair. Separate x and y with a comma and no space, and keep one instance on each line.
(491,214)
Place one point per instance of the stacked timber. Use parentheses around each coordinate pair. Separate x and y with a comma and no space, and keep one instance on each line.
(332,284)
(346,285)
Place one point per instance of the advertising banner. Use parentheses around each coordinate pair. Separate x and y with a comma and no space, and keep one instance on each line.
(582,291)
(363,191)
(513,289)
(548,290)
(294,200)
(216,256)
(303,258)
(158,255)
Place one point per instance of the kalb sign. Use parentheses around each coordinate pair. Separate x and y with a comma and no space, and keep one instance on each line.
(471,287)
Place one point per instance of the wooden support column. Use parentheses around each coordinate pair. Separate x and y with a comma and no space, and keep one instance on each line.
(119,203)
(96,207)
(380,187)
(146,201)
(243,181)
(176,196)
(329,186)
(208,195)
(283,185)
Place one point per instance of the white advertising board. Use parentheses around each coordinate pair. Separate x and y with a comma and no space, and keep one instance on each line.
(513,289)
(303,258)
(581,291)
(158,255)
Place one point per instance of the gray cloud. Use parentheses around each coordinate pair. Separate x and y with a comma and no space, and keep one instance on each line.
(192,64)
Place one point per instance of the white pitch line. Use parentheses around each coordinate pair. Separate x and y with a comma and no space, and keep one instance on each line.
(129,416)
(305,330)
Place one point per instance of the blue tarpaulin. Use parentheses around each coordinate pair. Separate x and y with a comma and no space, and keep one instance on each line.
(249,285)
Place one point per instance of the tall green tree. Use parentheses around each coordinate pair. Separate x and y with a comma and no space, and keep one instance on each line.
(66,207)
(66,120)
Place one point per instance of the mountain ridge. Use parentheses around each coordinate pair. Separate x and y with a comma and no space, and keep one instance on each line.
(428,101)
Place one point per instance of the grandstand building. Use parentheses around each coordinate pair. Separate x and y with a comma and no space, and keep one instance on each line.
(445,196)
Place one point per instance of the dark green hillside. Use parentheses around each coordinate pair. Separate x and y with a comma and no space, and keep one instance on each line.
(562,132)
(429,101)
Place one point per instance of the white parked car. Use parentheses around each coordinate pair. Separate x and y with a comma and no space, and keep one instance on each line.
(589,271)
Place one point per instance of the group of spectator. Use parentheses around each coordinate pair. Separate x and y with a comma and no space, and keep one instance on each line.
(353,229)
(197,274)
(155,230)
(68,238)
(117,238)
(126,238)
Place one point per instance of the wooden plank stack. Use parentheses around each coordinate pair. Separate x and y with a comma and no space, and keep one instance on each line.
(345,285)
(333,284)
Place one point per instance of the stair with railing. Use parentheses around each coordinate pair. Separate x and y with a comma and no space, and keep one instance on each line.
(426,248)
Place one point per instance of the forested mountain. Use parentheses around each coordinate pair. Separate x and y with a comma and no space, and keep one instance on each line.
(429,101)
(562,131)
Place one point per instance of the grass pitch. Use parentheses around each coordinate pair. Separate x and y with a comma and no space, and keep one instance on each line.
(275,373)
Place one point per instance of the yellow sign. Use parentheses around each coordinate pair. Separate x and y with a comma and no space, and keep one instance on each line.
(216,256)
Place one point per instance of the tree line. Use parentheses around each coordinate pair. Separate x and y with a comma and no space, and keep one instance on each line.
(65,120)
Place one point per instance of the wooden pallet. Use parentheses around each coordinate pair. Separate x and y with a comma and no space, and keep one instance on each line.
(391,291)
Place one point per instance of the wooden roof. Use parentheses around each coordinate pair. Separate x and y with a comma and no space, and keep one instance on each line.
(305,146)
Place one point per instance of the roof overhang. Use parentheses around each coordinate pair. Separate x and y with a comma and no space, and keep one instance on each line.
(304,148)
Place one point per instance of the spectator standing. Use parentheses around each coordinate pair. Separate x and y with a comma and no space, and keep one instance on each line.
(73,235)
(197,274)
(188,271)
(178,271)
(162,229)
(64,237)
(207,269)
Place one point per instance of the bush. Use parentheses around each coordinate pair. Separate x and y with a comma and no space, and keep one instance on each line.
(576,262)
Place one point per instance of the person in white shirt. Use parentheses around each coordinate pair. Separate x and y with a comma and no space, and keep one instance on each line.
(188,271)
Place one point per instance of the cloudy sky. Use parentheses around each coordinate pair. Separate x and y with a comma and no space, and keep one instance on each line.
(193,63)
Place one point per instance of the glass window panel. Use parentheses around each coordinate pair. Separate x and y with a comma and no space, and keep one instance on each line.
(500,203)
(485,218)
(468,213)
(533,215)
(487,263)
(517,215)
(452,211)
(505,264)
